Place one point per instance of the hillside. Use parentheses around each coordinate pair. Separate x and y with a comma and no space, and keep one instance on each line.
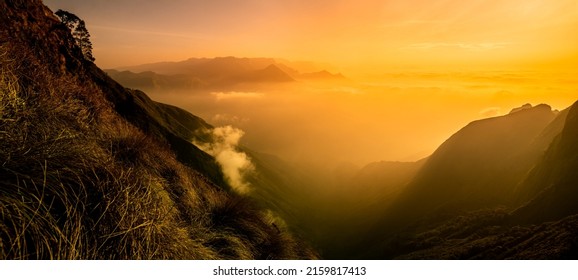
(544,227)
(95,171)
(554,181)
(479,166)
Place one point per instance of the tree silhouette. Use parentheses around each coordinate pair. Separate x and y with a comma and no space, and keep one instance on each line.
(79,32)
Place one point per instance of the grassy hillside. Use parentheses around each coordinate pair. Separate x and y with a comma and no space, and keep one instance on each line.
(93,171)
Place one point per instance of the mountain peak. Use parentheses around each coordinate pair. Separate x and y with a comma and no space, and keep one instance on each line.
(529,106)
(272,73)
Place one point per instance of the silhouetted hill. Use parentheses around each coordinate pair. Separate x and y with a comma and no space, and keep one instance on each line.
(480,165)
(92,170)
(545,227)
(531,186)
(215,73)
(322,75)
(218,73)
(205,68)
(152,81)
(554,182)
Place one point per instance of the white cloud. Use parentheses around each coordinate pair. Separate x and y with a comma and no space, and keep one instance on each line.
(234,164)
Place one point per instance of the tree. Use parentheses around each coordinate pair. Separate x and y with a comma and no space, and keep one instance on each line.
(79,32)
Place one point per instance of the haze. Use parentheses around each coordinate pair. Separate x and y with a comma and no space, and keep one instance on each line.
(417,70)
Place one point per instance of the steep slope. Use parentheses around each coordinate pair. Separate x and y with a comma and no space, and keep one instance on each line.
(94,171)
(554,181)
(479,165)
(532,184)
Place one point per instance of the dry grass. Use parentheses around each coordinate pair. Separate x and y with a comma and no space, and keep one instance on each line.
(79,182)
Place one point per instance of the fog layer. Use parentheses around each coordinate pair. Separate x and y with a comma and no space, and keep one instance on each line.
(404,117)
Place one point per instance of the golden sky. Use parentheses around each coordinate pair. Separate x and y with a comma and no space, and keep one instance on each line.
(361,35)
(423,68)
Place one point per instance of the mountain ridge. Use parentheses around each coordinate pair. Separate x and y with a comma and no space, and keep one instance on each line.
(96,171)
(214,73)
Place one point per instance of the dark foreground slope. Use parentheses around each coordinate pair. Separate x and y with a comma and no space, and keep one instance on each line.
(555,179)
(93,171)
(544,227)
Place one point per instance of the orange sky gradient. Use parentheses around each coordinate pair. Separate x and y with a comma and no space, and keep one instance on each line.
(367,36)
(421,69)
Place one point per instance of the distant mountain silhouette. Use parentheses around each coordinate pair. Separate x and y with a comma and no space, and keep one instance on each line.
(270,74)
(220,73)
(322,75)
(204,67)
(149,80)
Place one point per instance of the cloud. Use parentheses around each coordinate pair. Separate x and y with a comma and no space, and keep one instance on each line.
(235,95)
(228,119)
(234,164)
(465,46)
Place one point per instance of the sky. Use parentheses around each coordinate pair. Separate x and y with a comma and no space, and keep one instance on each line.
(420,69)
(358,35)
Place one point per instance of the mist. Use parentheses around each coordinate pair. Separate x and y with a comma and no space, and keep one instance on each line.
(404,117)
(338,157)
(233,163)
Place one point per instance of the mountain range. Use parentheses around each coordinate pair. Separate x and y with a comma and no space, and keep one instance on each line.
(220,73)
(92,169)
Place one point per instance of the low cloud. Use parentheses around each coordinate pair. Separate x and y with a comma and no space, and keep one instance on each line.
(223,148)
(222,119)
(235,95)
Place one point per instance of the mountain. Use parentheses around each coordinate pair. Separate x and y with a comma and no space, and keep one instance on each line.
(269,74)
(544,227)
(205,68)
(152,81)
(220,73)
(92,170)
(481,164)
(202,73)
(322,75)
(532,185)
(554,181)
(479,167)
